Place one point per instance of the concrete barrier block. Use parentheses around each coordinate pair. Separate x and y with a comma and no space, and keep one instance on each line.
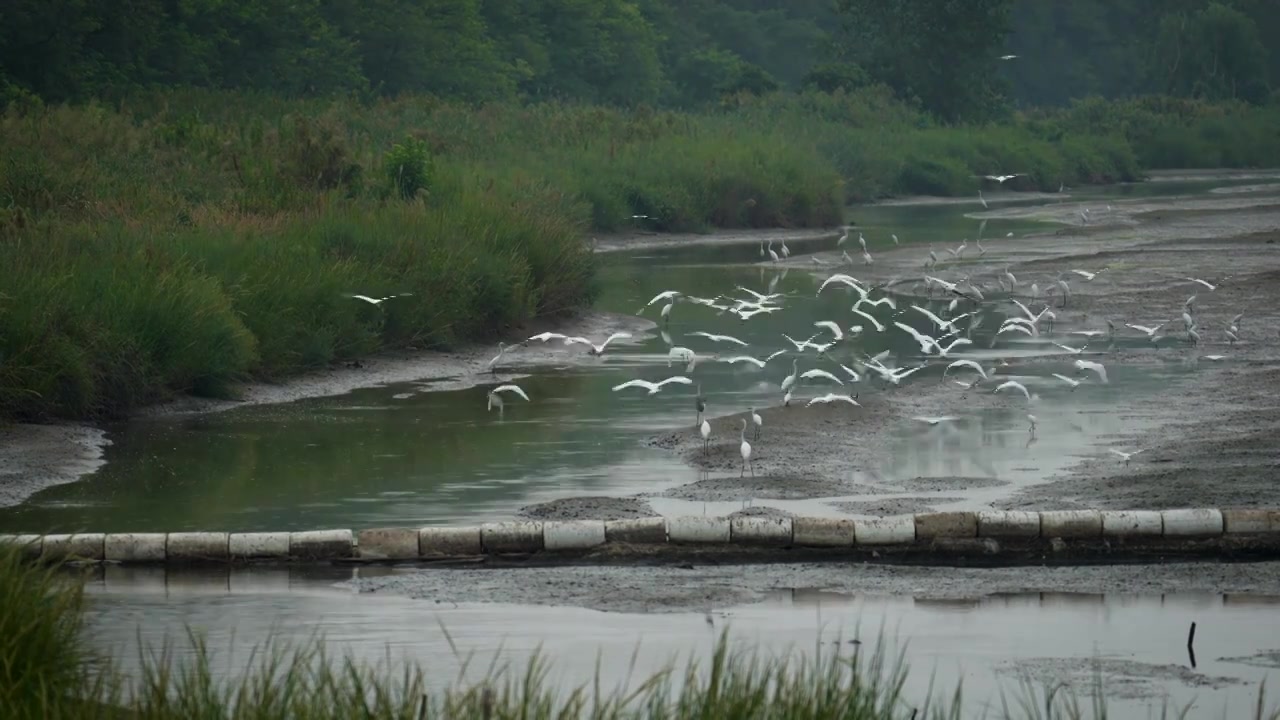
(1071,524)
(198,546)
(31,545)
(1242,521)
(641,531)
(259,546)
(1132,523)
(134,547)
(698,529)
(449,541)
(892,530)
(822,532)
(756,530)
(514,536)
(322,544)
(80,546)
(946,524)
(573,534)
(1201,522)
(1008,524)
(387,543)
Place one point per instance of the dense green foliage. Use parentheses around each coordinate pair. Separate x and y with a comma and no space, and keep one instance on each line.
(630,52)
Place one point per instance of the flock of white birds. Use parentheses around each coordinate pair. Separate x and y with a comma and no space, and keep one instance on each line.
(969,305)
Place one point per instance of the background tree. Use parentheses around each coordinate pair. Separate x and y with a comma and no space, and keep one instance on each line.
(941,53)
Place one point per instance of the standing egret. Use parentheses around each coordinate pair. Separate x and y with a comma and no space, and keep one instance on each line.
(772,254)
(757,421)
(843,238)
(1031,424)
(705,430)
(745,450)
(1122,454)
(786,251)
(493,364)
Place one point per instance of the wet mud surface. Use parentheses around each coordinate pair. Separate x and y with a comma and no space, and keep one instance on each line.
(588,508)
(702,587)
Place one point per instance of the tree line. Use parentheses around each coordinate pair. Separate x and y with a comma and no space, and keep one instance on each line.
(942,54)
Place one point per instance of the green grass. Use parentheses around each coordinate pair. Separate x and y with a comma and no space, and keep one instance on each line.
(185,241)
(46,673)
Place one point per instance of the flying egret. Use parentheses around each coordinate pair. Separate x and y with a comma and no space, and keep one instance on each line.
(1068,380)
(829,325)
(546,337)
(744,450)
(705,431)
(942,351)
(1211,287)
(379,301)
(1011,57)
(816,373)
(924,341)
(653,388)
(832,397)
(596,349)
(664,295)
(1089,333)
(1014,385)
(1093,367)
(1214,358)
(699,404)
(1150,332)
(1001,178)
(757,421)
(719,338)
(746,359)
(495,396)
(896,376)
(934,421)
(1072,350)
(844,280)
(971,364)
(853,374)
(886,300)
(872,320)
(1086,274)
(1124,455)
(666,311)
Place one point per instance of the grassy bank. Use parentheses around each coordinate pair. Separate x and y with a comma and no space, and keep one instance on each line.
(46,673)
(183,242)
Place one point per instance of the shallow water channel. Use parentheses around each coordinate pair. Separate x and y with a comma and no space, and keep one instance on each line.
(406,455)
(994,646)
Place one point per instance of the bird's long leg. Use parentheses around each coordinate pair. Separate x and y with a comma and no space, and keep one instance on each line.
(743,471)
(752,467)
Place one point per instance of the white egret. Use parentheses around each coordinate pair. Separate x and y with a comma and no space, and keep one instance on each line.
(942,351)
(1211,287)
(872,320)
(844,237)
(495,396)
(832,397)
(843,279)
(493,364)
(862,241)
(1087,275)
(786,251)
(1089,333)
(981,250)
(866,258)
(1014,385)
(680,354)
(719,338)
(596,349)
(818,261)
(705,431)
(666,312)
(744,358)
(546,337)
(756,421)
(898,375)
(924,341)
(1002,178)
(1093,367)
(1031,424)
(982,200)
(744,450)
(653,388)
(934,420)
(379,301)
(1011,57)
(834,328)
(886,300)
(895,238)
(1150,332)
(972,364)
(853,374)
(791,379)
(665,295)
(1068,380)
(816,373)
(1072,350)
(1124,455)
(1214,358)
(772,254)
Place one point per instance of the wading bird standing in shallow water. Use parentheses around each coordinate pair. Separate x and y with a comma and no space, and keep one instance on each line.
(705,431)
(756,420)
(745,451)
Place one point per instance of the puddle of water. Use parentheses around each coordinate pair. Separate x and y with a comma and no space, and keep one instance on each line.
(1138,643)
(397,455)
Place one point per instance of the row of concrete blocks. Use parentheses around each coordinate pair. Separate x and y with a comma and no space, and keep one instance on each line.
(533,536)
